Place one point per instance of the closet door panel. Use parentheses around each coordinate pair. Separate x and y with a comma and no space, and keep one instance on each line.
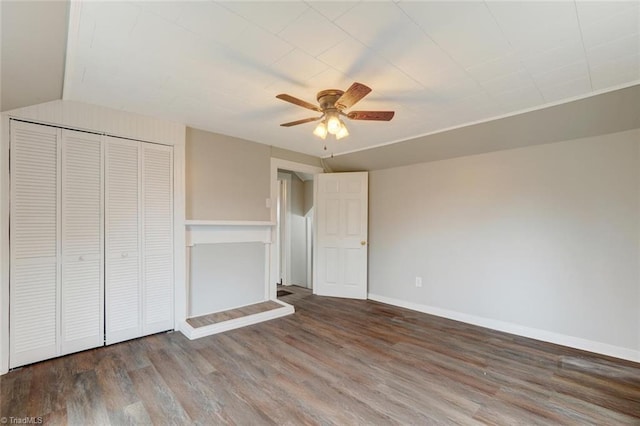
(82,298)
(123,296)
(34,235)
(123,267)
(158,293)
(157,191)
(33,312)
(82,306)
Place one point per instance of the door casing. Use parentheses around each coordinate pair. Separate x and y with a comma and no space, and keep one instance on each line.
(276,164)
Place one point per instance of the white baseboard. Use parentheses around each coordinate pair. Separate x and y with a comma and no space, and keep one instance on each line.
(507,327)
(198,332)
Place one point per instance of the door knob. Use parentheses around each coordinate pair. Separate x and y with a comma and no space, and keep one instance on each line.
(363,243)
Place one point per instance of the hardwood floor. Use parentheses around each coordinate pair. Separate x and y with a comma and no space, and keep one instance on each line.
(333,362)
(297,293)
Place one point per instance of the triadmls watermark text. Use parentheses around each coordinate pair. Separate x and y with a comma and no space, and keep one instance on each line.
(27,420)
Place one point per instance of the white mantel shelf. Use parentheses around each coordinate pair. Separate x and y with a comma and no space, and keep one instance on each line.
(228,223)
(227,231)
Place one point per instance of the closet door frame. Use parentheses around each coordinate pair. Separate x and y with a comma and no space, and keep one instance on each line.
(5,137)
(80,116)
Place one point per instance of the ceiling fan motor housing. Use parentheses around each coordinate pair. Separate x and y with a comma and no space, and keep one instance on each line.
(327,99)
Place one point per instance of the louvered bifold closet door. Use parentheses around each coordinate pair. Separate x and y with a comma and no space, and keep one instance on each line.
(157,237)
(123,233)
(34,235)
(82,307)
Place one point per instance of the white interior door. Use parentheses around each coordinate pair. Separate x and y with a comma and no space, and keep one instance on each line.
(34,246)
(341,239)
(122,242)
(157,238)
(82,284)
(56,278)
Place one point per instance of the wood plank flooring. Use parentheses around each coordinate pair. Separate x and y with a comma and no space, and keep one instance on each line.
(297,293)
(334,361)
(218,317)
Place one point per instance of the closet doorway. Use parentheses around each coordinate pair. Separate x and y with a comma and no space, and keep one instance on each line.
(294,234)
(291,253)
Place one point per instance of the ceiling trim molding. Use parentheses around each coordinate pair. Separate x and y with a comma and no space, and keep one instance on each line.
(607,113)
(494,118)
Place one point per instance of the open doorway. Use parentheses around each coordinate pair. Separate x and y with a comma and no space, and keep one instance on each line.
(294,234)
(292,260)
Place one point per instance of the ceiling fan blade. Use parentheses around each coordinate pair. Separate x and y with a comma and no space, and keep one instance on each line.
(304,120)
(353,94)
(371,115)
(299,102)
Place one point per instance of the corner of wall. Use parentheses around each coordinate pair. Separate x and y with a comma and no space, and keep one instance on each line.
(638,161)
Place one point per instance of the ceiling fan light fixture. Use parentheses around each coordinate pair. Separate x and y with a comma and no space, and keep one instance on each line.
(343,132)
(333,123)
(332,103)
(321,130)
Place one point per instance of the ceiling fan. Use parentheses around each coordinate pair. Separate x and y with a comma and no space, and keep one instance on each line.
(332,103)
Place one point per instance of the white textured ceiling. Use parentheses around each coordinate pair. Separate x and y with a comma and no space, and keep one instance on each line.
(217,66)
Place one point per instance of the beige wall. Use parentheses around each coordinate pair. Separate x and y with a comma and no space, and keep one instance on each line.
(308,196)
(297,195)
(298,233)
(297,157)
(228,178)
(542,238)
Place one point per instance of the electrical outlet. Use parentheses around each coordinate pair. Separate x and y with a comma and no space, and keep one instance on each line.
(418,281)
(268,203)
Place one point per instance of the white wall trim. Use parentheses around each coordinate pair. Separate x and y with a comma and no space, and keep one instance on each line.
(507,327)
(196,333)
(4,244)
(284,234)
(231,232)
(277,163)
(228,223)
(180,289)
